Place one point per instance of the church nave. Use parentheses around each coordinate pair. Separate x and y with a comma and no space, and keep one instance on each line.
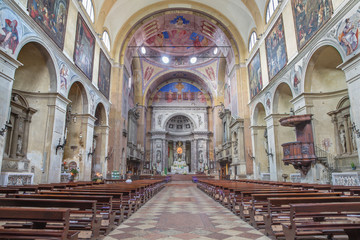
(182,211)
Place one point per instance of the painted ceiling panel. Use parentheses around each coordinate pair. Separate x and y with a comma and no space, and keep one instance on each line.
(234,10)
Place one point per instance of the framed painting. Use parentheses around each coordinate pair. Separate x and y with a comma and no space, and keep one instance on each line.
(104,75)
(84,47)
(276,49)
(309,17)
(255,77)
(51,16)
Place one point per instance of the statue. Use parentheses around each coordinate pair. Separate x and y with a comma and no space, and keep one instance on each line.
(342,139)
(158,156)
(19,145)
(159,120)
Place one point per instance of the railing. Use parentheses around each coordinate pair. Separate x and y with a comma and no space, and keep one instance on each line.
(324,155)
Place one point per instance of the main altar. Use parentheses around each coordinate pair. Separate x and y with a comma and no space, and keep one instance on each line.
(179,165)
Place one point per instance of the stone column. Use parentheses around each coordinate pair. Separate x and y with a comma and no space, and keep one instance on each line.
(166,156)
(274,147)
(193,155)
(8,66)
(101,150)
(87,129)
(15,137)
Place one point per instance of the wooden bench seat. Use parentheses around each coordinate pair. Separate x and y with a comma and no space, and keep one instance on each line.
(39,218)
(312,219)
(82,213)
(279,210)
(104,207)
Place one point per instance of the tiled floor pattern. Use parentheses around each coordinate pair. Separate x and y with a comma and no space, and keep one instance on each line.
(181,211)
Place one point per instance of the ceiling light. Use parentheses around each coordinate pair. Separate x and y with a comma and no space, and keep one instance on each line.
(143,50)
(165,59)
(193,60)
(216,50)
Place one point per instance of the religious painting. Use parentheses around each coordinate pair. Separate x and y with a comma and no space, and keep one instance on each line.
(276,49)
(348,33)
(179,92)
(104,75)
(309,17)
(10,32)
(148,73)
(51,16)
(84,48)
(64,74)
(255,77)
(210,73)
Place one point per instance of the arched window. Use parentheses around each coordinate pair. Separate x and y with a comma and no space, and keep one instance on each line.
(89,8)
(106,40)
(271,9)
(252,40)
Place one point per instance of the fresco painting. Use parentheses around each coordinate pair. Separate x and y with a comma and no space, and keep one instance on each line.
(104,75)
(348,33)
(255,77)
(309,17)
(276,49)
(84,48)
(51,16)
(64,74)
(11,31)
(179,92)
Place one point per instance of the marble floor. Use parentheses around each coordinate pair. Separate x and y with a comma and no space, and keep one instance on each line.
(181,211)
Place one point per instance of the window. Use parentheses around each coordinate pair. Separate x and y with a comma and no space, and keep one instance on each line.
(252,41)
(271,9)
(89,8)
(106,40)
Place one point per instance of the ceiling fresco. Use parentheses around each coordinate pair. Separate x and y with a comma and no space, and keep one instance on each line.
(208,72)
(179,37)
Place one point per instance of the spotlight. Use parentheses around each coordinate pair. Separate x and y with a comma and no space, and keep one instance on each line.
(143,50)
(165,59)
(216,51)
(193,60)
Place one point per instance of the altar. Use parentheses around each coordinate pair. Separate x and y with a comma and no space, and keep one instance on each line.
(179,167)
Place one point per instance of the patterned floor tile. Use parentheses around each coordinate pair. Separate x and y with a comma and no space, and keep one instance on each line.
(182,212)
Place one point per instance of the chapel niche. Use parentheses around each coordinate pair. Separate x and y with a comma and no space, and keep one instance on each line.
(345,139)
(17,135)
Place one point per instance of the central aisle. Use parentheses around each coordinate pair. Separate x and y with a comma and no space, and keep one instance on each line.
(181,211)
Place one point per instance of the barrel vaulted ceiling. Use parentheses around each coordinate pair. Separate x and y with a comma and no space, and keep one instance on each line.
(242,15)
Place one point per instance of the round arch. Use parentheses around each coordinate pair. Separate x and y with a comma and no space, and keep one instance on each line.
(281,99)
(259,114)
(122,40)
(100,114)
(77,89)
(168,118)
(34,54)
(320,54)
(166,78)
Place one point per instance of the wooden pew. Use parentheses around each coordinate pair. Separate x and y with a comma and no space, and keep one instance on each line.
(117,200)
(104,206)
(259,203)
(314,219)
(40,218)
(82,214)
(279,210)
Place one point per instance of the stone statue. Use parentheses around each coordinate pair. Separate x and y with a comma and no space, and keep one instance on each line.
(158,156)
(159,120)
(19,145)
(343,139)
(201,157)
